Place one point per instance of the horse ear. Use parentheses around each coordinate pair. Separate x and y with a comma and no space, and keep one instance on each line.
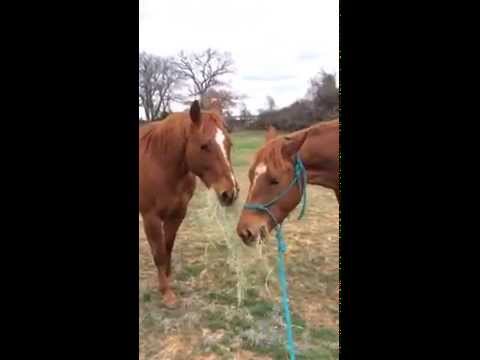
(271,133)
(292,144)
(195,113)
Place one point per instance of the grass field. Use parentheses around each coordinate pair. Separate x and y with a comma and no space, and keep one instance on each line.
(228,294)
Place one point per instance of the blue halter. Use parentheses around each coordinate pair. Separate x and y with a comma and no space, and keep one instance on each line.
(299,178)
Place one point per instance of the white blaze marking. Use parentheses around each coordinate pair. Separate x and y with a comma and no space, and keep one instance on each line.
(259,170)
(220,140)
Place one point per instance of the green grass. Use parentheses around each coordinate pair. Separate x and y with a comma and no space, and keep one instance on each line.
(277,352)
(261,309)
(239,323)
(207,280)
(190,271)
(317,354)
(324,334)
(147,297)
(222,298)
(245,145)
(215,320)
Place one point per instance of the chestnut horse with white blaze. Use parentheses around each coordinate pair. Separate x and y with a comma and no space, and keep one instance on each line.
(272,172)
(171,153)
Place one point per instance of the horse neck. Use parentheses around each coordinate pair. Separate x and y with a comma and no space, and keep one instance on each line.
(168,145)
(321,166)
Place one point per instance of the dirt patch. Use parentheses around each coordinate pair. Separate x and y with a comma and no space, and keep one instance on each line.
(175,347)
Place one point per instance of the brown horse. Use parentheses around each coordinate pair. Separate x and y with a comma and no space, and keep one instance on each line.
(273,170)
(171,153)
(271,133)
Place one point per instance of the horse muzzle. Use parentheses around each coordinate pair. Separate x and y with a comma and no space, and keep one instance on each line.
(226,198)
(251,235)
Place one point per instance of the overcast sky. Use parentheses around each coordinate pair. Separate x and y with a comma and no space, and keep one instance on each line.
(277,46)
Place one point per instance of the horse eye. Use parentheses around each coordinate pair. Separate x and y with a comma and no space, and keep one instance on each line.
(204,147)
(273,182)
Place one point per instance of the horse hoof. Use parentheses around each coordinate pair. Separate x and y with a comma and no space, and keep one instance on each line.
(170,300)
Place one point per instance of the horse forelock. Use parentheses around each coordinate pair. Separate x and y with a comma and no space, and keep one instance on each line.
(271,155)
(211,121)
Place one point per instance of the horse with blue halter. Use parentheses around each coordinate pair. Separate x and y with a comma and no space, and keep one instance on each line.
(274,167)
(278,178)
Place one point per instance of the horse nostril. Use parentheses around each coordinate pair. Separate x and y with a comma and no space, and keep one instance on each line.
(246,235)
(226,197)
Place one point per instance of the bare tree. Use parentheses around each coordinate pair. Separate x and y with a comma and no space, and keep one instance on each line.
(270,103)
(204,69)
(323,93)
(158,80)
(225,98)
(245,114)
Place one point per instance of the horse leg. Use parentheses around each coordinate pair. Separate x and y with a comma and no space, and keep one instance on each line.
(171,228)
(155,231)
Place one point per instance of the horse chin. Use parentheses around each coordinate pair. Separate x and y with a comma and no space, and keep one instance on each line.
(263,234)
(207,185)
(254,241)
(260,237)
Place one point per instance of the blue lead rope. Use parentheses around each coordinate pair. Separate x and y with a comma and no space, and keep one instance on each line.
(282,276)
(300,178)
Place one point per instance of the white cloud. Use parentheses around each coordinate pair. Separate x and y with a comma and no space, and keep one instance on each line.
(277,45)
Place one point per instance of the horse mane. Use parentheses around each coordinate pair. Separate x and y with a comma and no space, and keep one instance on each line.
(164,136)
(271,152)
(172,132)
(213,121)
(324,125)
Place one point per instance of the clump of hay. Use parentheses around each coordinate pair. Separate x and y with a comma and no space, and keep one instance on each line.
(240,259)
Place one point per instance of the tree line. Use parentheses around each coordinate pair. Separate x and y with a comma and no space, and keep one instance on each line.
(321,102)
(164,80)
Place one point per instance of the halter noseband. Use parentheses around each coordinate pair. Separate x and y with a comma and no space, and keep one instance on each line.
(299,178)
